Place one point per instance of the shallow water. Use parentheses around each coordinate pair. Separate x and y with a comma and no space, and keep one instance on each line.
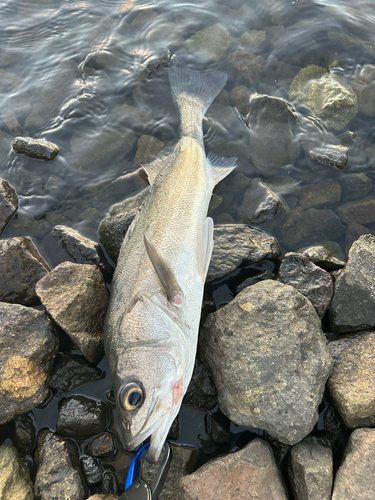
(92,78)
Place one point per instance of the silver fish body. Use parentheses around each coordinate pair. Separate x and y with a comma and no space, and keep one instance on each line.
(153,317)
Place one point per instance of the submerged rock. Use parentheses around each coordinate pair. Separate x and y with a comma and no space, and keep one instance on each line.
(354,478)
(237,476)
(353,232)
(21,267)
(353,303)
(28,348)
(210,43)
(240,97)
(310,280)
(75,296)
(311,470)
(360,211)
(336,156)
(275,330)
(35,148)
(236,245)
(326,94)
(273,126)
(8,203)
(248,65)
(323,194)
(15,482)
(259,203)
(364,86)
(354,186)
(352,382)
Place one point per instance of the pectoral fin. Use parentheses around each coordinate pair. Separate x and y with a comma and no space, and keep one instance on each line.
(165,274)
(221,167)
(205,246)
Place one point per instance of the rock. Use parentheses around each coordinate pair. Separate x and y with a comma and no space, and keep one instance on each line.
(103,497)
(113,228)
(238,183)
(201,392)
(260,276)
(28,348)
(259,203)
(240,475)
(329,255)
(81,418)
(336,156)
(56,476)
(353,303)
(209,43)
(353,232)
(273,126)
(71,371)
(248,65)
(219,426)
(102,446)
(91,470)
(352,381)
(364,86)
(64,243)
(35,148)
(109,484)
(323,194)
(252,40)
(326,94)
(310,280)
(360,211)
(15,483)
(21,267)
(240,97)
(354,478)
(184,460)
(148,148)
(75,296)
(8,203)
(24,433)
(275,330)
(236,245)
(354,186)
(311,470)
(311,226)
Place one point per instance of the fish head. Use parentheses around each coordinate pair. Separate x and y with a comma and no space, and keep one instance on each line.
(150,377)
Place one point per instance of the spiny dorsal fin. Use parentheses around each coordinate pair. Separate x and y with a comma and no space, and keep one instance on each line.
(221,167)
(205,246)
(165,274)
(153,169)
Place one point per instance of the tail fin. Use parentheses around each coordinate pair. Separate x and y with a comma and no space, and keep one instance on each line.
(202,85)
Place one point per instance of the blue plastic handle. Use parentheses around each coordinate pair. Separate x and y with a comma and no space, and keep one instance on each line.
(134,466)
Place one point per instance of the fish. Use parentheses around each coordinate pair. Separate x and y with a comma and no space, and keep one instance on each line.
(152,321)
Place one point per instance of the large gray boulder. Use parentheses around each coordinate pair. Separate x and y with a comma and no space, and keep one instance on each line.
(269,359)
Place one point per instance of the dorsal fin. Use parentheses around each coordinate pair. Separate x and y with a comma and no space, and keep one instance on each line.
(221,167)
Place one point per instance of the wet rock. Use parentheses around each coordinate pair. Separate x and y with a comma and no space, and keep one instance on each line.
(360,211)
(223,218)
(28,348)
(56,476)
(184,461)
(311,226)
(237,476)
(209,43)
(105,496)
(252,40)
(81,418)
(328,256)
(275,330)
(330,154)
(148,148)
(323,194)
(326,94)
(240,97)
(219,426)
(352,382)
(35,148)
(64,243)
(311,470)
(259,203)
(102,446)
(91,470)
(364,86)
(273,126)
(21,267)
(354,478)
(109,485)
(236,245)
(15,483)
(113,228)
(353,232)
(248,65)
(353,303)
(310,280)
(75,296)
(24,434)
(262,275)
(8,203)
(354,186)
(71,371)
(238,183)
(201,392)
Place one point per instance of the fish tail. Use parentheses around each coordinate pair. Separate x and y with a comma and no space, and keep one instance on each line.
(194,92)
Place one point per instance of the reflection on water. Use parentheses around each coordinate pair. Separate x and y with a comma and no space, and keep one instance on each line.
(91,77)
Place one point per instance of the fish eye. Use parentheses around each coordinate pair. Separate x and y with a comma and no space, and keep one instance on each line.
(131,396)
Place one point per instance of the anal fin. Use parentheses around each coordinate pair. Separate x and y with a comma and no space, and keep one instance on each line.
(205,246)
(221,167)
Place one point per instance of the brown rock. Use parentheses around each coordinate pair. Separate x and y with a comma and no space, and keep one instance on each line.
(15,483)
(324,194)
(211,42)
(353,232)
(360,211)
(8,203)
(148,147)
(249,65)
